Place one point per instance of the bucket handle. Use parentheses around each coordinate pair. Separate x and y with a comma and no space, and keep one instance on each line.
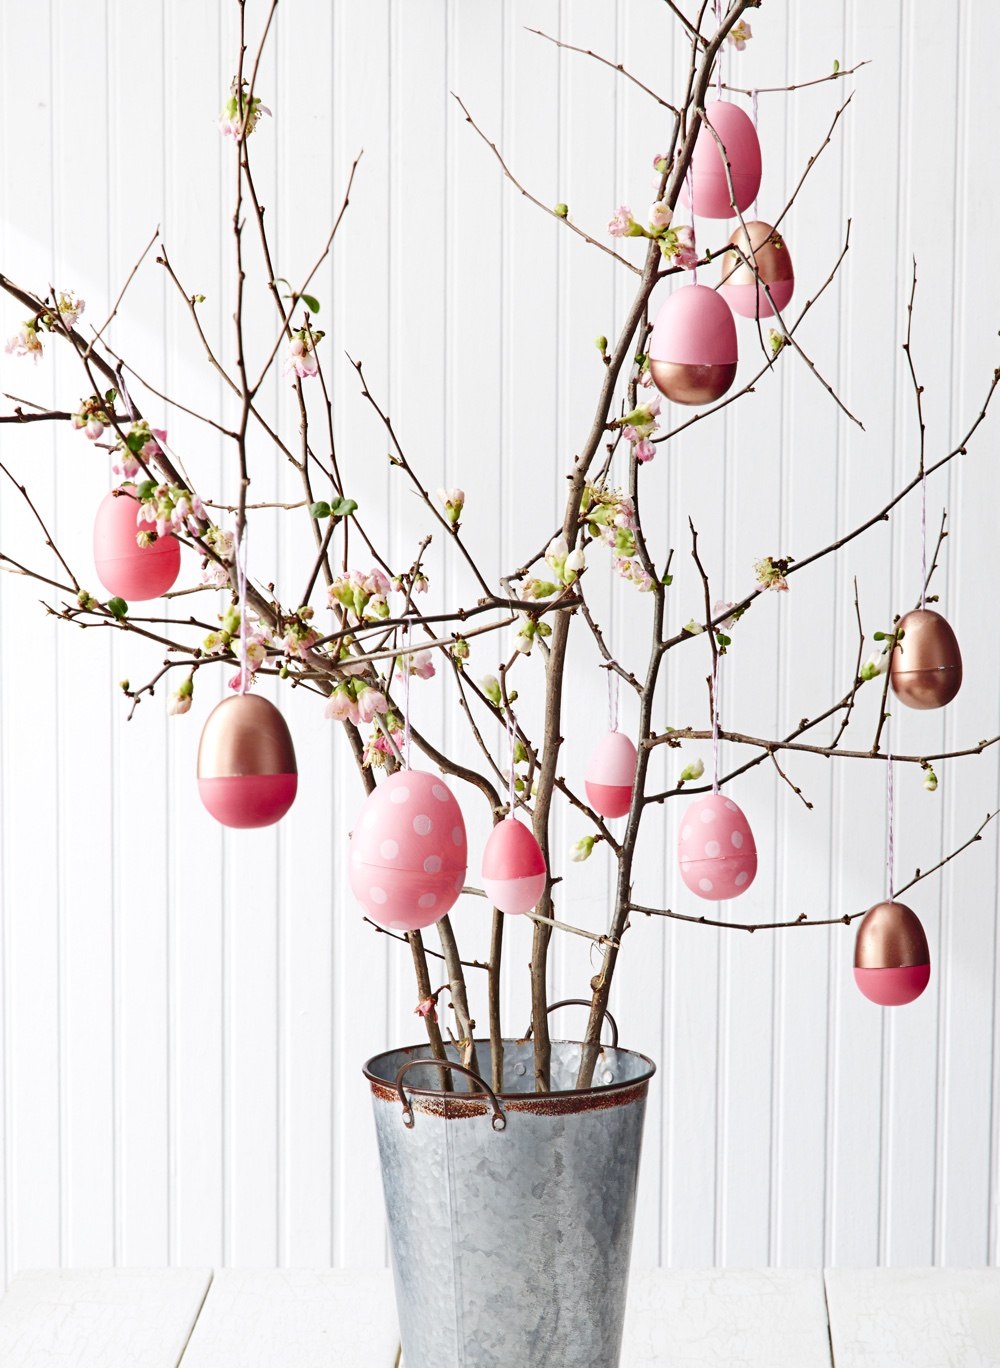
(581,1002)
(499,1120)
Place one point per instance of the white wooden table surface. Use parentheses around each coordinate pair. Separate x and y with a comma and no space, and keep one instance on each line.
(763,1318)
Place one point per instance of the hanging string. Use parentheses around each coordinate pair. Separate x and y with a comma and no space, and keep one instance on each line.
(612,701)
(715,723)
(890,850)
(241,585)
(511,794)
(718,60)
(753,110)
(923,536)
(690,190)
(407,672)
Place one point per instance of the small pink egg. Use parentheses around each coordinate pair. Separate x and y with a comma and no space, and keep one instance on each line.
(693,352)
(611,774)
(409,851)
(126,569)
(708,171)
(715,848)
(892,961)
(247,775)
(513,867)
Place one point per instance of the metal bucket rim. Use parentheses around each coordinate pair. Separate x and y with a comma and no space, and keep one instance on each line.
(602,1089)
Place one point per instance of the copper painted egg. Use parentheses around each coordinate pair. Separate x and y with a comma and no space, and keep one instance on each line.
(766,248)
(126,569)
(716,851)
(247,776)
(611,774)
(892,964)
(513,867)
(710,184)
(693,351)
(409,851)
(926,665)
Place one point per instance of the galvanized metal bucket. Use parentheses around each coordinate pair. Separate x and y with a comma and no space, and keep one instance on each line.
(510,1214)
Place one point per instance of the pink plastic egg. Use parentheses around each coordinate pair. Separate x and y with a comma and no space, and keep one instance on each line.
(892,962)
(409,851)
(710,187)
(125,568)
(715,849)
(611,774)
(513,867)
(247,775)
(693,352)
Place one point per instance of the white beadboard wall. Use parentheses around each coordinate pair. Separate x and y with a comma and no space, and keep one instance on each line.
(186,1011)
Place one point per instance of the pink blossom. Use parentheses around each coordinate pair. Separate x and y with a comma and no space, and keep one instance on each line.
(621,222)
(644,450)
(341,706)
(660,215)
(739,34)
(686,254)
(419,663)
(26,342)
(370,702)
(426,1009)
(659,163)
(179,702)
(301,359)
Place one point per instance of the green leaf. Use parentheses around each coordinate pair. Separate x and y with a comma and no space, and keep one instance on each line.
(111,396)
(343,508)
(667,580)
(319,510)
(722,639)
(878,636)
(311,303)
(836,66)
(145,490)
(118,608)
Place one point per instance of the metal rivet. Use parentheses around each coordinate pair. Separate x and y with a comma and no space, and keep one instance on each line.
(520,1070)
(607,1076)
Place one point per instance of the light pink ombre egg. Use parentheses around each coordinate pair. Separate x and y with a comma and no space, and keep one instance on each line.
(708,171)
(715,848)
(513,867)
(126,569)
(409,851)
(611,774)
(693,352)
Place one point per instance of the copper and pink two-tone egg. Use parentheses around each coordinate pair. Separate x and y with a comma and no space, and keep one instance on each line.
(715,848)
(892,963)
(611,774)
(247,775)
(757,277)
(126,569)
(693,351)
(513,867)
(409,851)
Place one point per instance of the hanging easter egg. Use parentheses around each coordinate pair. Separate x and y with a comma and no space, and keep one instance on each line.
(409,851)
(693,350)
(710,186)
(611,774)
(766,249)
(513,867)
(715,849)
(125,568)
(247,776)
(892,964)
(925,668)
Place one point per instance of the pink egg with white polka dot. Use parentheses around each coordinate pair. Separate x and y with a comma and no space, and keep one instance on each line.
(715,848)
(409,851)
